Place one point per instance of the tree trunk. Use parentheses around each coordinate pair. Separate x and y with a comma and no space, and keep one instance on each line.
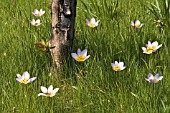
(63,14)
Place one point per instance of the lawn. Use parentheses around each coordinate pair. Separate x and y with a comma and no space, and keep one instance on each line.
(91,86)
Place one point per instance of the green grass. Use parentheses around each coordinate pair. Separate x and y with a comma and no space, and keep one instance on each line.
(99,89)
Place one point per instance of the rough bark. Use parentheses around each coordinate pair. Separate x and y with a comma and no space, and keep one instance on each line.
(63,13)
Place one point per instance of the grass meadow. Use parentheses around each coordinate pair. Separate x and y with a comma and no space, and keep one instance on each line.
(91,86)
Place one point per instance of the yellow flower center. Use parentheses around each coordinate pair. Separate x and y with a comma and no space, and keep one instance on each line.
(80,58)
(152,47)
(49,94)
(155,80)
(91,25)
(148,51)
(39,14)
(137,25)
(116,68)
(24,81)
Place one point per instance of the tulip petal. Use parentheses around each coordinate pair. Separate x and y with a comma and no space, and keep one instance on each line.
(26,75)
(55,90)
(42,94)
(149,44)
(137,22)
(141,25)
(155,43)
(121,64)
(18,75)
(123,68)
(78,52)
(116,63)
(160,78)
(112,64)
(50,88)
(44,89)
(87,21)
(143,48)
(132,23)
(150,76)
(74,55)
(32,21)
(84,52)
(159,46)
(87,57)
(38,21)
(93,21)
(156,76)
(97,23)
(31,79)
(148,79)
(19,79)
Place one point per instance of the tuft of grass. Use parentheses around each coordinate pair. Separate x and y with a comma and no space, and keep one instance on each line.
(160,9)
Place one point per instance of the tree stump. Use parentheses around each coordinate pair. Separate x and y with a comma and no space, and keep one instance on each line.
(63,13)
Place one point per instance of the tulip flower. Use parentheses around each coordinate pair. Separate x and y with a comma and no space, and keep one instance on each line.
(25,78)
(154,79)
(50,92)
(35,23)
(38,13)
(92,23)
(80,56)
(137,24)
(118,66)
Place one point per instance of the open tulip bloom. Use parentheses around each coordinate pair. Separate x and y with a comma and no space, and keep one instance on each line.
(25,78)
(50,92)
(35,23)
(147,50)
(137,24)
(118,66)
(151,47)
(154,79)
(80,56)
(38,13)
(92,23)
